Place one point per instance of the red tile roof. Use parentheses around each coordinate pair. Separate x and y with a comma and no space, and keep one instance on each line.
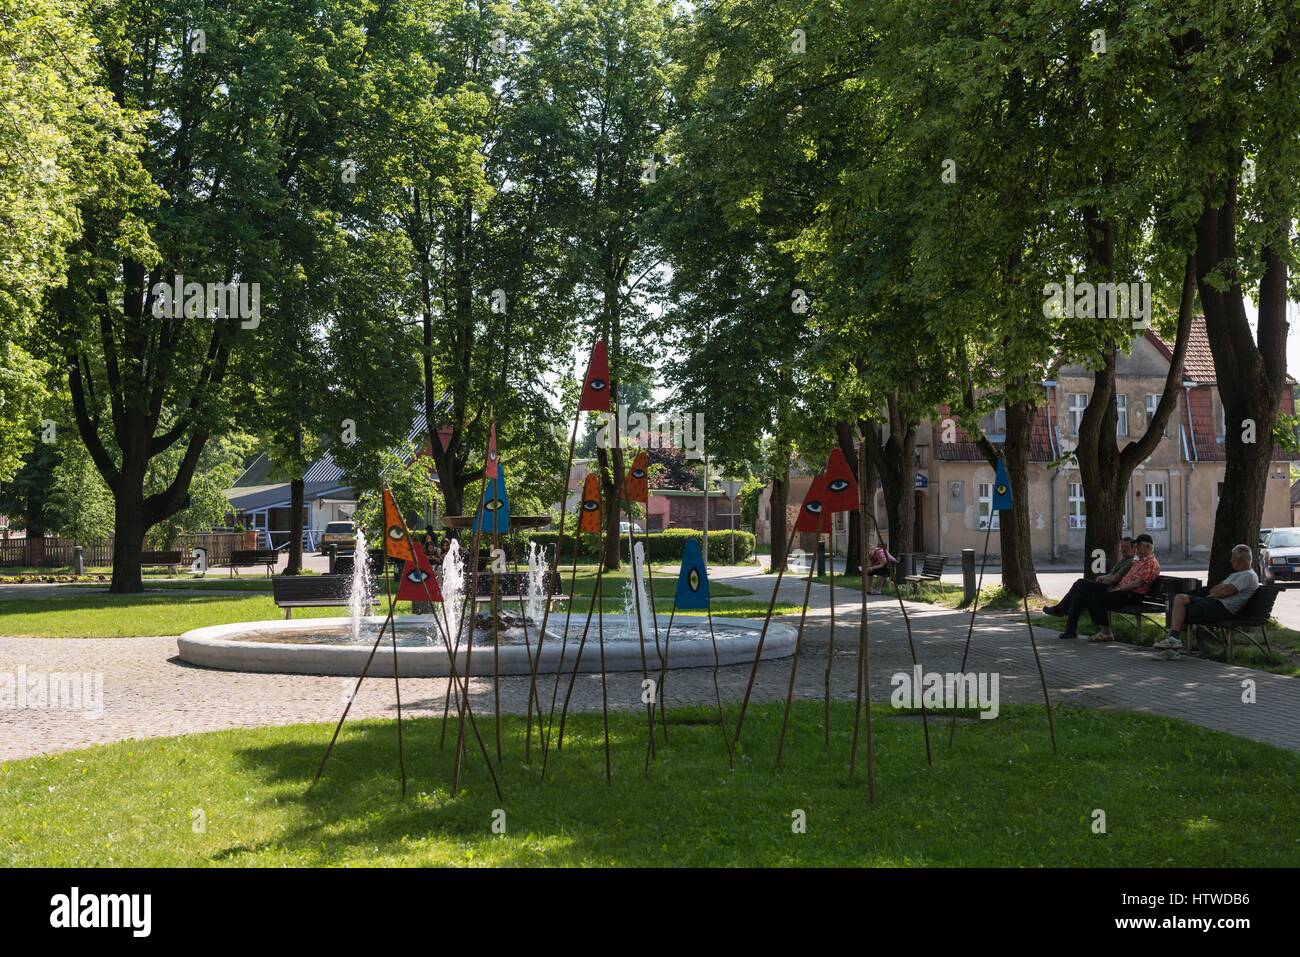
(964,449)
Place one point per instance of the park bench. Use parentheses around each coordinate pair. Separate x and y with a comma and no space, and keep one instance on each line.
(248,557)
(1256,613)
(173,558)
(312,591)
(1156,602)
(513,586)
(931,572)
(344,563)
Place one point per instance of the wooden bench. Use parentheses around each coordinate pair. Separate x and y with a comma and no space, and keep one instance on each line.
(173,558)
(248,557)
(1156,602)
(312,591)
(1256,613)
(931,572)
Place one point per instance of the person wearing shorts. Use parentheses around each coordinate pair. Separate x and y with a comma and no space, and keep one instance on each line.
(1206,606)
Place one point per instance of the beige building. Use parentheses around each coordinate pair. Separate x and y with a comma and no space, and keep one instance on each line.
(1172,496)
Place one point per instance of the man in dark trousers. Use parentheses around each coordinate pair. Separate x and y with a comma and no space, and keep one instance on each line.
(1082,591)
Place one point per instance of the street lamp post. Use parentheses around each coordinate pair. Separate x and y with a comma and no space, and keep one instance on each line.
(732,488)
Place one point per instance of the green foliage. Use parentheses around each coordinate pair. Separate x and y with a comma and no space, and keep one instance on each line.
(666,546)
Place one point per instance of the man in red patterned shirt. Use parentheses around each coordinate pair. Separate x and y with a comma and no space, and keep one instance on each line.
(1135,583)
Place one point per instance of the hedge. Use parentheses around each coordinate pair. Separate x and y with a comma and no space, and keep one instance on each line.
(661,546)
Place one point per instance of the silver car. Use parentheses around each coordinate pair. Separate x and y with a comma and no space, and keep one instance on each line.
(1280,556)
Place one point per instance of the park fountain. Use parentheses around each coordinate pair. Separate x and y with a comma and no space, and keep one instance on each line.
(342,646)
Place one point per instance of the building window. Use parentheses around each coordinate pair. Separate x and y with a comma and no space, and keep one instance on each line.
(1078,402)
(1155,504)
(986,506)
(994,425)
(1078,510)
(1128,494)
(1153,400)
(1121,415)
(1223,423)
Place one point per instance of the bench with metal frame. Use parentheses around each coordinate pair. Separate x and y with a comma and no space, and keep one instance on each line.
(1256,613)
(931,572)
(249,557)
(172,558)
(313,591)
(1156,602)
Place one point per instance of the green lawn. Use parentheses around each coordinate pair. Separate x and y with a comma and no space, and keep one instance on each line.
(1172,794)
(156,612)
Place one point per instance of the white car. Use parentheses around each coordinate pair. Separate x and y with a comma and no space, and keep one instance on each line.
(1280,556)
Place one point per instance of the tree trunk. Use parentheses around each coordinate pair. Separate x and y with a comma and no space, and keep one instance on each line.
(296,500)
(1018,573)
(780,498)
(844,439)
(128,541)
(893,460)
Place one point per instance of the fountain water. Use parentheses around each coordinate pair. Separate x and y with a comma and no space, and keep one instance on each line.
(535,596)
(634,593)
(360,596)
(453,589)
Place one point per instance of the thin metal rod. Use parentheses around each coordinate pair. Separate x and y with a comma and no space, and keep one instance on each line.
(762,635)
(794,664)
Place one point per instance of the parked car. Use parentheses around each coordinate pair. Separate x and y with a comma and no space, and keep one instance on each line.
(342,535)
(636,528)
(1280,556)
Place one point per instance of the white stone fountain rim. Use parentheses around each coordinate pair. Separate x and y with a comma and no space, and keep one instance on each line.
(215,647)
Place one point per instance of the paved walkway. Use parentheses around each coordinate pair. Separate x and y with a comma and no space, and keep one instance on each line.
(148,692)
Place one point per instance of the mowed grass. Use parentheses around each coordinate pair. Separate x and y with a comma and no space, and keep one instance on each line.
(1172,794)
(169,610)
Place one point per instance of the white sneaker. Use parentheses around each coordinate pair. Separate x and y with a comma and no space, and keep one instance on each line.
(1170,643)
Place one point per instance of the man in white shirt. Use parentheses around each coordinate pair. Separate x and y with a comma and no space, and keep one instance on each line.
(1205,606)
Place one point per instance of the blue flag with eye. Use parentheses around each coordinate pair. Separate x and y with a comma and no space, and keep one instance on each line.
(693,579)
(494,516)
(1001,488)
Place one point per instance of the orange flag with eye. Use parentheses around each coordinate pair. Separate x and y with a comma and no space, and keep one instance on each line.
(636,487)
(397,542)
(589,513)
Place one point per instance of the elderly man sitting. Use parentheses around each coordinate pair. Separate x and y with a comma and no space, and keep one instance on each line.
(1205,606)
(1082,591)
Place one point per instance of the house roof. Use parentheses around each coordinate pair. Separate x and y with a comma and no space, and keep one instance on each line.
(1042,444)
(324,468)
(252,498)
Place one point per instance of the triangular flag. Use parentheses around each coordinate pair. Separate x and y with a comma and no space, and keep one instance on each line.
(1002,488)
(495,514)
(636,487)
(589,510)
(595,384)
(415,576)
(397,542)
(813,515)
(693,579)
(490,469)
(841,486)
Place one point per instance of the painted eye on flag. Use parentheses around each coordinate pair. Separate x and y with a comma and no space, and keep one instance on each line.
(839,485)
(694,580)
(590,506)
(396,533)
(814,507)
(597,384)
(1002,490)
(493,504)
(417,577)
(638,473)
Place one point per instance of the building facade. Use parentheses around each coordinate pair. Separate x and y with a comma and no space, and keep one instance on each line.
(1172,496)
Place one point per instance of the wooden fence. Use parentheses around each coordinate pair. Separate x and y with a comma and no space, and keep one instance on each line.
(57,552)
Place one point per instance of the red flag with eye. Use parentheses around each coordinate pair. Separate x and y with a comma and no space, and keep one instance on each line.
(490,469)
(841,487)
(595,384)
(814,516)
(415,576)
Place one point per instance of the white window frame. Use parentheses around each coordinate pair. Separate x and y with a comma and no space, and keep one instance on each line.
(1154,521)
(1121,416)
(1128,497)
(984,495)
(1223,422)
(1075,409)
(1077,507)
(1152,401)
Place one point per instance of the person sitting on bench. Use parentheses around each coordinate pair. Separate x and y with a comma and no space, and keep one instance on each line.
(878,562)
(1135,581)
(1076,599)
(1135,584)
(1205,606)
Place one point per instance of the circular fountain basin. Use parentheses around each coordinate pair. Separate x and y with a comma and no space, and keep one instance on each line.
(324,646)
